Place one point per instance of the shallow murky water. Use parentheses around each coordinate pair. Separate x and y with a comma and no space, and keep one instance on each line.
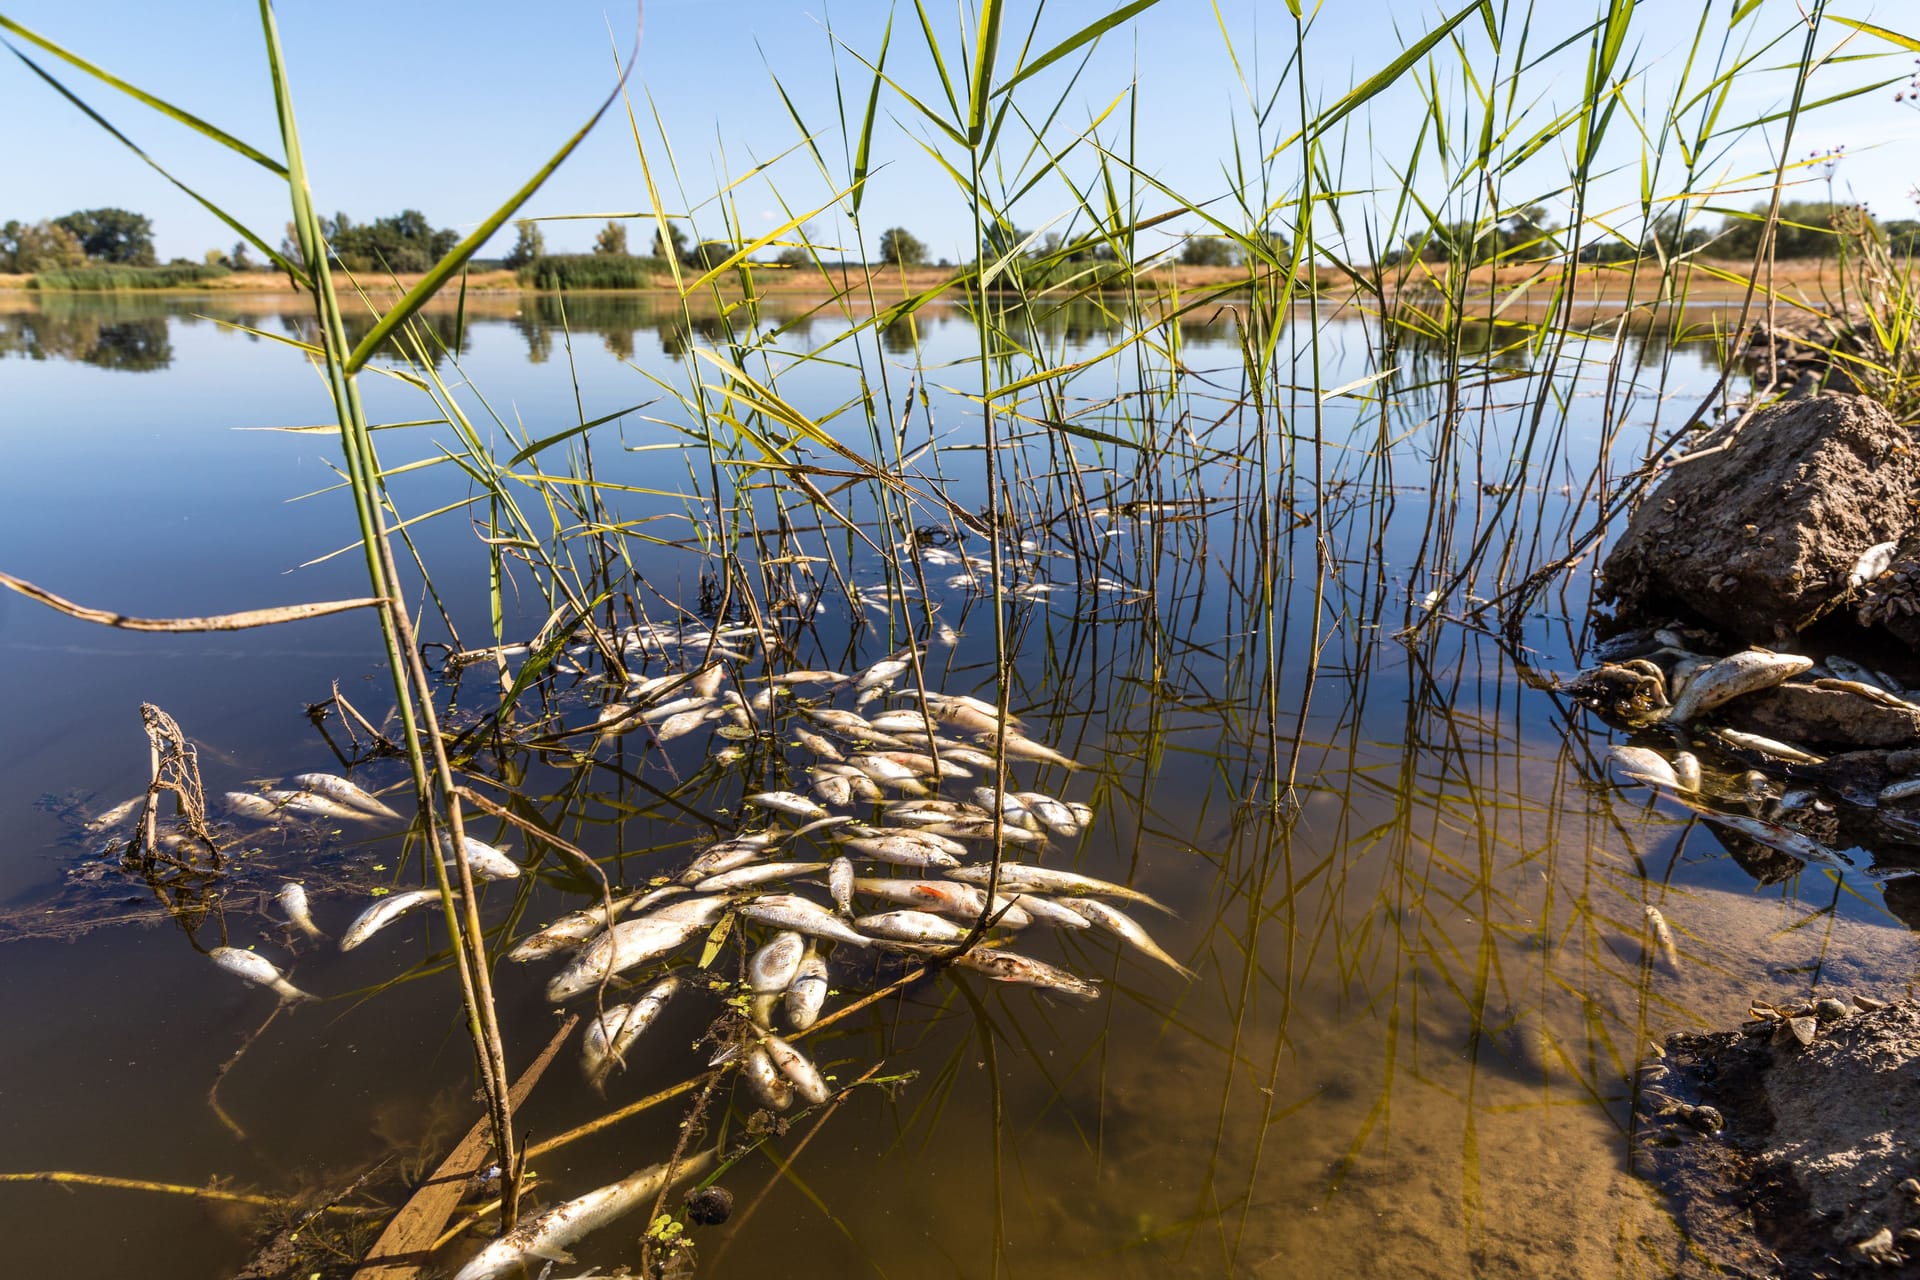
(1419,998)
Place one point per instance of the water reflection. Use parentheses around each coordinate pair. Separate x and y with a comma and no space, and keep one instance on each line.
(130,335)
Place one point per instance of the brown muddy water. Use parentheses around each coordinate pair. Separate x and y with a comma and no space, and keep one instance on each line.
(1421,985)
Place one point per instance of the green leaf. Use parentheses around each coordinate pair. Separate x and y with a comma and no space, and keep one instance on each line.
(1382,78)
(985,49)
(570,432)
(866,125)
(1891,37)
(715,938)
(1086,35)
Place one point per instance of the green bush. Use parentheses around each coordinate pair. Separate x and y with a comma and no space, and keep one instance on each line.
(116,278)
(592,271)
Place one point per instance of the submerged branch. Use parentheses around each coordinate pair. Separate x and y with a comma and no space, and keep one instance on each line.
(219,622)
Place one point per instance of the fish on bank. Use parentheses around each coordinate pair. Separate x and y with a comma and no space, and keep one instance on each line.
(545,1236)
(385,912)
(293,901)
(1741,673)
(257,968)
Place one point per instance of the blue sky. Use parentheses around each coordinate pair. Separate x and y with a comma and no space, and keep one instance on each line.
(448,108)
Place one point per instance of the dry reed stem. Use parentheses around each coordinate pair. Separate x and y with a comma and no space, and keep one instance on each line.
(243,621)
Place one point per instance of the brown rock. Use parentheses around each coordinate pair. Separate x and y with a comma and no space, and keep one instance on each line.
(1759,538)
(1830,717)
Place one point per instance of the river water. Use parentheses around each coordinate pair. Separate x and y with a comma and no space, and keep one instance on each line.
(1421,983)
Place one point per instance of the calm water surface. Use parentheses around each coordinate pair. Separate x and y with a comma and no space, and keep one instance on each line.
(1418,999)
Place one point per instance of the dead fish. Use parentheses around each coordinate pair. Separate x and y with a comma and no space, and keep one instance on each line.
(1048,912)
(1873,562)
(1795,844)
(747,877)
(1055,816)
(686,722)
(946,635)
(604,1044)
(766,1081)
(1767,746)
(859,786)
(293,900)
(901,852)
(1733,676)
(1904,790)
(679,706)
(962,753)
(789,911)
(807,993)
(617,718)
(798,1069)
(707,680)
(882,674)
(1027,749)
(1848,669)
(832,789)
(1663,938)
(635,942)
(1126,928)
(944,897)
(483,860)
(817,744)
(347,793)
(786,802)
(775,965)
(546,1235)
(1022,878)
(847,724)
(911,926)
(840,883)
(1007,966)
(123,813)
(244,804)
(809,677)
(257,968)
(1011,810)
(383,913)
(902,721)
(577,928)
(1866,689)
(920,835)
(1644,765)
(1686,768)
(726,855)
(982,829)
(305,804)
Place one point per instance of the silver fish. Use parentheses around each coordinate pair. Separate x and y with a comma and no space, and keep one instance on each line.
(635,942)
(775,965)
(1027,749)
(832,789)
(293,900)
(383,913)
(1686,768)
(124,812)
(808,677)
(944,897)
(1126,928)
(766,1081)
(1007,966)
(982,829)
(1904,790)
(1733,676)
(788,911)
(1048,912)
(305,804)
(882,673)
(1016,877)
(817,744)
(347,793)
(901,852)
(1663,938)
(840,879)
(1767,746)
(946,635)
(1873,562)
(910,926)
(1053,814)
(246,804)
(579,927)
(257,968)
(679,706)
(786,802)
(807,993)
(901,722)
(679,726)
(747,877)
(1643,765)
(546,1235)
(483,860)
(798,1069)
(1011,810)
(918,835)
(726,855)
(604,1044)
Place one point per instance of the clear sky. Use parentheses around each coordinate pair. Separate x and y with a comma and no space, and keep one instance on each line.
(447,108)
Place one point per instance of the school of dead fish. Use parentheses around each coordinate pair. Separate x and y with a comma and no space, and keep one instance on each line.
(900,867)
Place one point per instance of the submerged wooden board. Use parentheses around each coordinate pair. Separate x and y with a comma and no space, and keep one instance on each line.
(403,1249)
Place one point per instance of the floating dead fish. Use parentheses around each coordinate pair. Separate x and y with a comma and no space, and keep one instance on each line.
(1795,844)
(807,993)
(946,635)
(911,926)
(765,1080)
(246,805)
(347,793)
(786,802)
(847,724)
(945,897)
(909,722)
(1023,878)
(1904,790)
(775,965)
(1054,815)
(1767,746)
(1686,768)
(483,860)
(305,804)
(293,901)
(546,1236)
(982,829)
(1027,749)
(1007,966)
(257,968)
(747,877)
(882,673)
(789,911)
(604,1044)
(577,928)
(1730,677)
(809,677)
(901,852)
(383,913)
(859,786)
(832,789)
(726,855)
(817,744)
(635,942)
(840,879)
(1046,911)
(1644,765)
(124,812)
(686,722)
(1126,928)
(798,1069)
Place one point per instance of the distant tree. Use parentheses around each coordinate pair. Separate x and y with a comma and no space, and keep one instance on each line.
(711,253)
(612,238)
(1208,251)
(900,247)
(1527,233)
(674,247)
(112,235)
(214,258)
(1805,230)
(1903,236)
(528,244)
(40,246)
(404,242)
(240,259)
